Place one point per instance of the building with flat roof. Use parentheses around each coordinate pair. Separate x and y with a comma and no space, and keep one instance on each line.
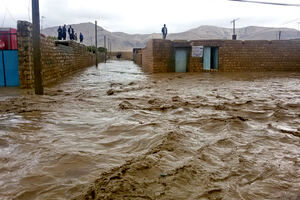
(160,56)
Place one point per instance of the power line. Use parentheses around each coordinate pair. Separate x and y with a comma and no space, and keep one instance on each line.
(29,11)
(7,11)
(4,19)
(269,3)
(291,21)
(11,15)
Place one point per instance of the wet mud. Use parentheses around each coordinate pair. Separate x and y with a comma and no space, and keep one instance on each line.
(117,133)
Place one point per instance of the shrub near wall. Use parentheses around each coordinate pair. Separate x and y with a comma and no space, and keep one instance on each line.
(59,59)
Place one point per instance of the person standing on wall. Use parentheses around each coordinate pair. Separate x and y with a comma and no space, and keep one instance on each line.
(64,32)
(73,33)
(81,37)
(70,32)
(164,31)
(59,31)
(75,37)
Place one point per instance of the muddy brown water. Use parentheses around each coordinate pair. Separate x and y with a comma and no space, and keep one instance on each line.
(162,136)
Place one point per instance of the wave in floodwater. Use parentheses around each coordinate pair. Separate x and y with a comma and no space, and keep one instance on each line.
(160,136)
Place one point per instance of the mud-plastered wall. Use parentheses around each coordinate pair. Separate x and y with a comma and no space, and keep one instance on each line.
(59,59)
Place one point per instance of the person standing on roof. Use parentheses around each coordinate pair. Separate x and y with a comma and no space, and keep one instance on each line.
(73,33)
(70,31)
(164,31)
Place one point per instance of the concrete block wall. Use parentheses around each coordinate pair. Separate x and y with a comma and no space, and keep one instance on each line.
(196,63)
(255,55)
(147,57)
(59,59)
(162,53)
(138,57)
(234,56)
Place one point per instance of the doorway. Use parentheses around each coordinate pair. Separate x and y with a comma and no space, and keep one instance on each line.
(211,58)
(181,57)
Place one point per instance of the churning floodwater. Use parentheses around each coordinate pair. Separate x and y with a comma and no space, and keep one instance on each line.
(160,136)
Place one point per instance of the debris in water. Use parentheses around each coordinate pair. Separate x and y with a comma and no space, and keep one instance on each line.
(110,92)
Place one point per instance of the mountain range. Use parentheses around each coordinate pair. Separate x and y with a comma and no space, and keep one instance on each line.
(125,42)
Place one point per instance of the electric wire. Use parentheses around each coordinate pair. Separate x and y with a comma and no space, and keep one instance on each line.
(29,13)
(269,3)
(9,13)
(3,19)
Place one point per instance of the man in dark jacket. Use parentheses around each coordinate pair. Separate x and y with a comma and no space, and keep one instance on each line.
(60,33)
(70,31)
(64,32)
(164,31)
(81,37)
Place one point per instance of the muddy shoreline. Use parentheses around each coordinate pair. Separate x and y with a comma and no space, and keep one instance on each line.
(162,136)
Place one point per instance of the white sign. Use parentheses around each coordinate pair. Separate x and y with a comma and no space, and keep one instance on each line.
(197,51)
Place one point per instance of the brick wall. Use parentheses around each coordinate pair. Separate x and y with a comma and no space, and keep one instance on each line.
(277,55)
(138,57)
(59,58)
(162,54)
(147,57)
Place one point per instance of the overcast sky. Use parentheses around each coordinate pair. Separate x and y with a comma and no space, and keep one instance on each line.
(148,16)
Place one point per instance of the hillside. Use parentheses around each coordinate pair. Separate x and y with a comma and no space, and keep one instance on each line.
(123,41)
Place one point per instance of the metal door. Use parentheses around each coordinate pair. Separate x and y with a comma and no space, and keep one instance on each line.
(2,72)
(215,58)
(9,72)
(207,58)
(181,60)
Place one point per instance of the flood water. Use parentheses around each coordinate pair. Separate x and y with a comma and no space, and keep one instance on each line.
(161,136)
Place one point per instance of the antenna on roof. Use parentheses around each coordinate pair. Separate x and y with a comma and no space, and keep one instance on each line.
(234,36)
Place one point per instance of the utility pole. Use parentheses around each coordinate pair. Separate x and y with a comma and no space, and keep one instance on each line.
(42,22)
(38,82)
(96,41)
(279,35)
(108,48)
(298,29)
(234,36)
(105,49)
